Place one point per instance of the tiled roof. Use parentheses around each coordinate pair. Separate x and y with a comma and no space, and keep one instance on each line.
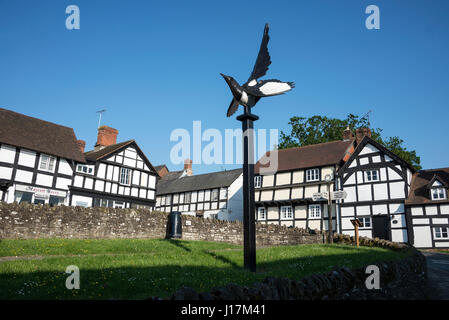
(38,135)
(198,182)
(419,189)
(315,155)
(96,155)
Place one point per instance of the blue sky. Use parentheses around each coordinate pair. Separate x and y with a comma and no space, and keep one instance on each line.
(154,65)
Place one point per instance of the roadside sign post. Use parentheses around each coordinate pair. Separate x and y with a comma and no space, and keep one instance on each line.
(356,223)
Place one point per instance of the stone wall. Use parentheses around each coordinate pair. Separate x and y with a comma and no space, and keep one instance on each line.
(401,280)
(28,221)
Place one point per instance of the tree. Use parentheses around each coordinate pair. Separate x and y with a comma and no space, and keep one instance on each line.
(319,129)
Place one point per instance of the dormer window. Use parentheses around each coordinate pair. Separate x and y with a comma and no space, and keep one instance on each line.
(438,193)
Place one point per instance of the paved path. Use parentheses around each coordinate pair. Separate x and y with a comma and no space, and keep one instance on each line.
(438,274)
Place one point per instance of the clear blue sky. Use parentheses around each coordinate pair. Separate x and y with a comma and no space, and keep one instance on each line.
(154,65)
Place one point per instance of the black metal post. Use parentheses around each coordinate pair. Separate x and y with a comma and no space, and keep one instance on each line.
(249,214)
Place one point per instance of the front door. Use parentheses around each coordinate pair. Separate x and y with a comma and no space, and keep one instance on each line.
(381,227)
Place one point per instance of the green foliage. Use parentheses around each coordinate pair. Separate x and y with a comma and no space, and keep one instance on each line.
(319,129)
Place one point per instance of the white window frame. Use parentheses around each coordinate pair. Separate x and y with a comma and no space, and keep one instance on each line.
(257,181)
(313,212)
(441,232)
(215,192)
(369,175)
(363,220)
(89,169)
(187,197)
(126,181)
(286,214)
(312,175)
(437,191)
(47,163)
(261,213)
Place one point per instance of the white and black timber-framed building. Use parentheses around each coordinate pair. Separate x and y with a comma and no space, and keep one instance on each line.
(377,183)
(216,195)
(285,197)
(114,175)
(428,209)
(37,159)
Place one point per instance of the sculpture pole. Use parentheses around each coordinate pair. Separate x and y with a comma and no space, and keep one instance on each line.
(249,221)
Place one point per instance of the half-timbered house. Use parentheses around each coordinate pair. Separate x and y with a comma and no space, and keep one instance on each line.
(116,175)
(285,196)
(427,209)
(211,195)
(37,159)
(376,182)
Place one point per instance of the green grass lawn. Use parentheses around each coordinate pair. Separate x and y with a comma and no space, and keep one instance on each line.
(138,269)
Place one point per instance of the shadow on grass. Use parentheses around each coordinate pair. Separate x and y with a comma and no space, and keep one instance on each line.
(221,258)
(179,244)
(162,279)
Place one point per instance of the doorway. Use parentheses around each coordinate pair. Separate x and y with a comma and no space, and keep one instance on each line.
(381,227)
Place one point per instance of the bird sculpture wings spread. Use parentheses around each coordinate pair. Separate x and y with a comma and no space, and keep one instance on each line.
(263,60)
(260,67)
(262,88)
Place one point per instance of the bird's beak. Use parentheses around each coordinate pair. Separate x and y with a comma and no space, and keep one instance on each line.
(227,78)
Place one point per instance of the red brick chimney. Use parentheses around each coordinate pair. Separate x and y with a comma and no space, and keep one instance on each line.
(81,145)
(107,136)
(188,167)
(360,133)
(347,134)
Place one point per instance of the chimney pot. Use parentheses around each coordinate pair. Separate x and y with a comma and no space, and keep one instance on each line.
(347,134)
(188,167)
(107,136)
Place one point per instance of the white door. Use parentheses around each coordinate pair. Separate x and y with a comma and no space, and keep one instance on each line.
(423,237)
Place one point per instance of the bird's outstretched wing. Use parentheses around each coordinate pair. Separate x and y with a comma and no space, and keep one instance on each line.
(232,107)
(263,58)
(265,88)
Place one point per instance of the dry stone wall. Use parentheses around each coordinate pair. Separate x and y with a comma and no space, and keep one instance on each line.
(28,221)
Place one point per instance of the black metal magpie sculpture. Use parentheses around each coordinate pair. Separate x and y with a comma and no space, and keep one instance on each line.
(250,93)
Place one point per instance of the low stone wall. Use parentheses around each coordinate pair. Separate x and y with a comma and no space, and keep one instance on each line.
(401,279)
(28,221)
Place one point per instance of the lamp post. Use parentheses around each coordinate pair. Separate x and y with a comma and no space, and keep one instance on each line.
(328,178)
(249,221)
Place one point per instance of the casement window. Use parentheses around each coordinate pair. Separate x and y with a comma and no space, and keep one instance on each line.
(125,176)
(47,163)
(223,193)
(315,211)
(438,193)
(20,197)
(441,232)
(187,197)
(366,222)
(175,198)
(371,175)
(312,175)
(163,201)
(214,194)
(82,168)
(55,201)
(261,213)
(286,212)
(257,181)
(103,203)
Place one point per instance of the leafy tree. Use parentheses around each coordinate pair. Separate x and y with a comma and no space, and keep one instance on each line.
(319,129)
